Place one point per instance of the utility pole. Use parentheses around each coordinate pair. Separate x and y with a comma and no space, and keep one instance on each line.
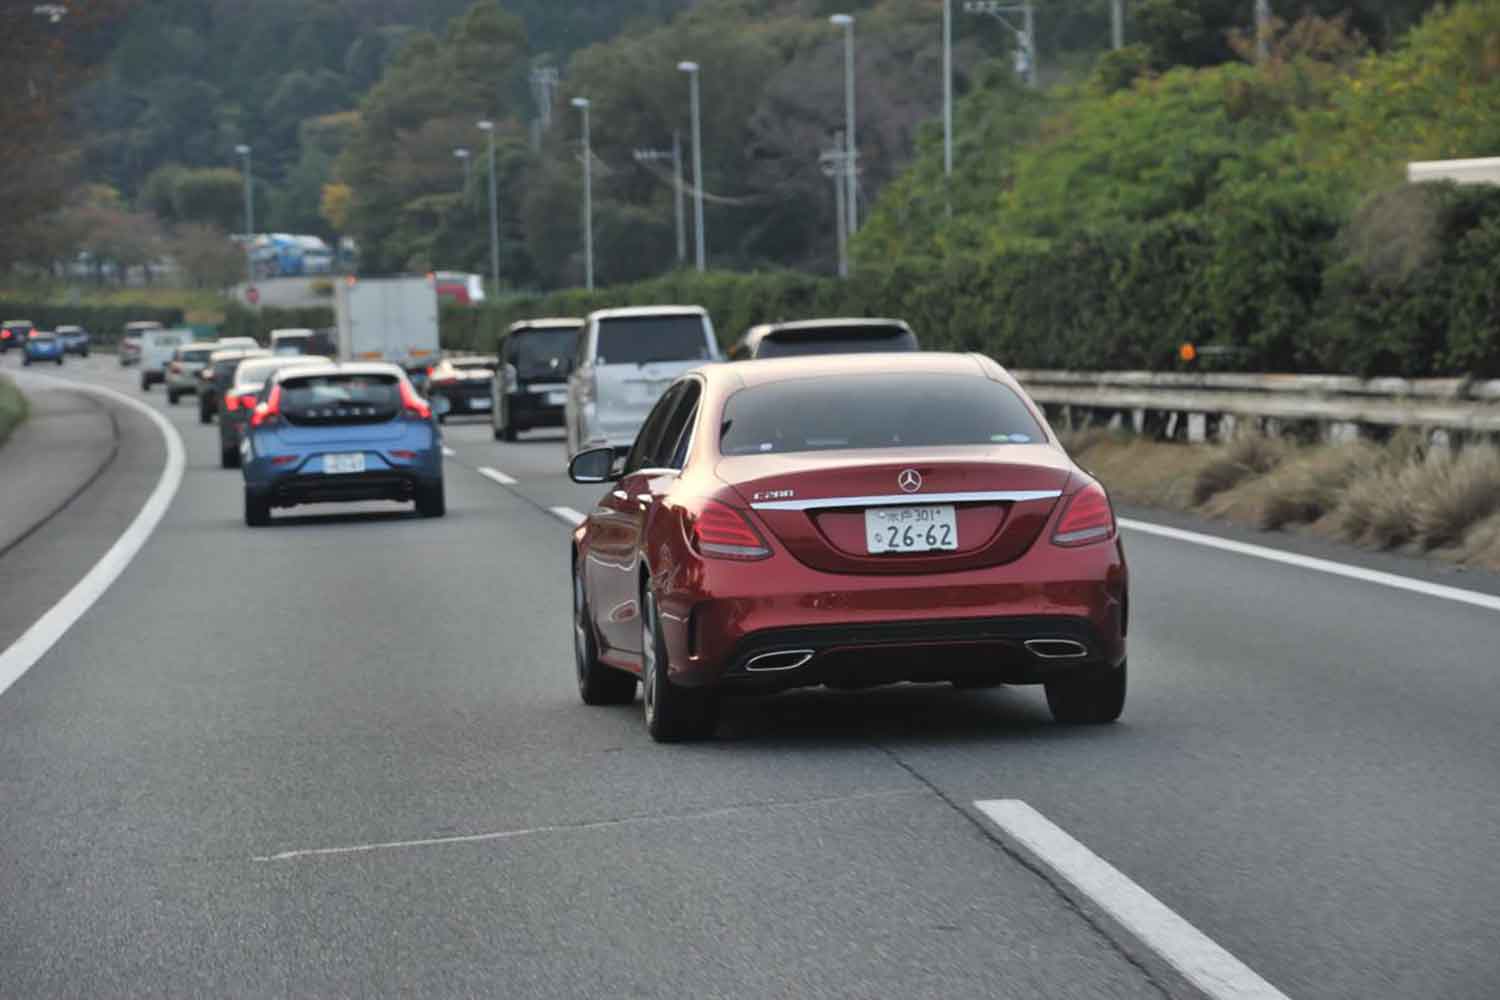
(244,152)
(582,104)
(846,21)
(834,162)
(488,127)
(462,152)
(693,70)
(1117,23)
(544,82)
(1262,30)
(948,88)
(1026,52)
(675,155)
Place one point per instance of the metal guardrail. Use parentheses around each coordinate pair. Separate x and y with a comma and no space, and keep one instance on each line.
(1178,404)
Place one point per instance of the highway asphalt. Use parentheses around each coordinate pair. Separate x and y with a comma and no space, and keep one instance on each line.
(1308,771)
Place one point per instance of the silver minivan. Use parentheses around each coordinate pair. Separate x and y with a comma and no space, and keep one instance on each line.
(626,359)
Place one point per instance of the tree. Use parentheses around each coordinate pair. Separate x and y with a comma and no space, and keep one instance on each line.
(211,196)
(207,256)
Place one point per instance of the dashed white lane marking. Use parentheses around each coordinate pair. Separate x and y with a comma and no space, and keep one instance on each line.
(1186,949)
(448,452)
(52,626)
(568,514)
(1487,601)
(497,476)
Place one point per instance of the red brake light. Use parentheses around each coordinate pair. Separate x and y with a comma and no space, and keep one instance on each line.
(270,408)
(721,532)
(412,403)
(1087,518)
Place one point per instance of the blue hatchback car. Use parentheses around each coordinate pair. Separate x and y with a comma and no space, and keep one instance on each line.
(42,347)
(341,432)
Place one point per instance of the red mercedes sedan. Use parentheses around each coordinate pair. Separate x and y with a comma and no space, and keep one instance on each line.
(848,520)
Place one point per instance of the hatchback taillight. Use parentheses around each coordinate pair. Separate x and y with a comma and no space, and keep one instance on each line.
(414,404)
(1088,518)
(721,532)
(269,410)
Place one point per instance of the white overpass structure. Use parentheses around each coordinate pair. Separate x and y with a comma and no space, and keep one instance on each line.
(1483,171)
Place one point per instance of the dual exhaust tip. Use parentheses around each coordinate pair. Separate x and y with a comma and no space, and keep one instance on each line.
(791,659)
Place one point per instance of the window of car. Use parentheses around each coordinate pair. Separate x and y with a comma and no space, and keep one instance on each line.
(677,436)
(541,352)
(852,339)
(342,397)
(639,340)
(874,411)
(660,440)
(196,355)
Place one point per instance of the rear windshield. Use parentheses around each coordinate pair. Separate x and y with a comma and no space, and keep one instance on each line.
(543,352)
(874,411)
(640,340)
(837,340)
(341,398)
(197,357)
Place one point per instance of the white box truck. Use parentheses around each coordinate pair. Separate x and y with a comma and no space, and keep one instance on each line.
(387,319)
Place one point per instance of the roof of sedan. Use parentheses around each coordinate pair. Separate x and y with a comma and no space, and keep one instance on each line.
(631,312)
(818,365)
(549,323)
(314,369)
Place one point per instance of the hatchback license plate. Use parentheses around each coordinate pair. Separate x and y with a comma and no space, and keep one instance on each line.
(479,402)
(557,398)
(339,465)
(932,528)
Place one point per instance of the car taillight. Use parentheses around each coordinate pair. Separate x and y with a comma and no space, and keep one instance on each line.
(1087,518)
(414,404)
(268,410)
(721,532)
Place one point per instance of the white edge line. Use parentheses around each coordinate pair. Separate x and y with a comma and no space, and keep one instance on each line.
(1392,580)
(448,452)
(1205,965)
(496,475)
(44,633)
(568,514)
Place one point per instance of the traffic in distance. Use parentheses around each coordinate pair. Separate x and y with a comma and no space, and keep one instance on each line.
(828,508)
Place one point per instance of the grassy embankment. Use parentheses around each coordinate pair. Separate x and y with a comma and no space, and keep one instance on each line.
(13,408)
(1402,495)
(201,306)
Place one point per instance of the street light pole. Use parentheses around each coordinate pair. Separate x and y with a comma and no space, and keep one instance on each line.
(244,152)
(846,21)
(692,70)
(488,127)
(1262,30)
(677,196)
(947,88)
(462,152)
(833,162)
(582,104)
(1117,23)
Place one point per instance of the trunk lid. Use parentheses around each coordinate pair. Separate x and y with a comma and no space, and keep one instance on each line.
(814,503)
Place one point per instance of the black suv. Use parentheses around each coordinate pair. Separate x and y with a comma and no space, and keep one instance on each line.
(531,387)
(14,332)
(218,375)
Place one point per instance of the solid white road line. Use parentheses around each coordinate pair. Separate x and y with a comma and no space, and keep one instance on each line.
(52,626)
(568,514)
(497,476)
(1193,955)
(1406,583)
(448,452)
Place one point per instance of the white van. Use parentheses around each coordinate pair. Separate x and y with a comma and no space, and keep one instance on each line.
(157,348)
(626,359)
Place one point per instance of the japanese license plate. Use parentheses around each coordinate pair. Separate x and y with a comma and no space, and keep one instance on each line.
(479,402)
(932,528)
(559,398)
(338,465)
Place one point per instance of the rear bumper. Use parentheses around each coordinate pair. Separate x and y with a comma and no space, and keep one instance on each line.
(303,481)
(383,484)
(527,410)
(462,403)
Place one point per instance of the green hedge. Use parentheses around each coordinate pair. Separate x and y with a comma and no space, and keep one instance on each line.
(105,324)
(241,321)
(13,407)
(1279,278)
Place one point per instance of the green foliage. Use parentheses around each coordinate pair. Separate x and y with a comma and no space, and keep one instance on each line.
(13,407)
(104,323)
(241,321)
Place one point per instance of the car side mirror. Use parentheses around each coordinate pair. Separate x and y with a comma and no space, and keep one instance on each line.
(596,465)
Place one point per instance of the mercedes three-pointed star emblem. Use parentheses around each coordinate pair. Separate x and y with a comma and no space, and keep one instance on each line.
(910,481)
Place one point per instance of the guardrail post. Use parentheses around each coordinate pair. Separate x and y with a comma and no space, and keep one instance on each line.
(1197,428)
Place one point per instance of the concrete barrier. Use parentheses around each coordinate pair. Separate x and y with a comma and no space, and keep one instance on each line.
(1198,407)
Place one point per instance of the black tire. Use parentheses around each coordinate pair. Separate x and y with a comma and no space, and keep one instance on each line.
(59,360)
(257,509)
(229,458)
(430,500)
(205,415)
(26,361)
(1093,699)
(83,353)
(172,397)
(145,383)
(511,433)
(598,683)
(673,714)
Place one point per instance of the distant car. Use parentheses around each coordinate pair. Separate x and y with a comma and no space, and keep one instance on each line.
(42,346)
(317,342)
(243,392)
(459,288)
(157,349)
(829,521)
(341,432)
(130,341)
(824,336)
(75,340)
(531,385)
(182,371)
(626,359)
(462,386)
(218,375)
(13,333)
